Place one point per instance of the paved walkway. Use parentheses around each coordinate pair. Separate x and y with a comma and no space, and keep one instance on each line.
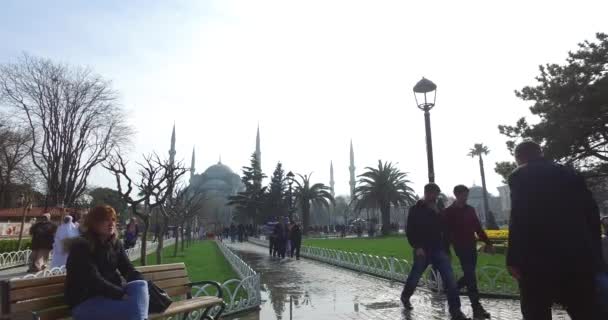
(320,291)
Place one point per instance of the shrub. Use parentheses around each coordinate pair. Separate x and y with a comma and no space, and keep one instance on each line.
(7,245)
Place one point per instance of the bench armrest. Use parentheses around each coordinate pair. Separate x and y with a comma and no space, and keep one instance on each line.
(220,293)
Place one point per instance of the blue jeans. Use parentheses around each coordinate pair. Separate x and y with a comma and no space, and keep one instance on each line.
(440,261)
(135,307)
(601,282)
(468,262)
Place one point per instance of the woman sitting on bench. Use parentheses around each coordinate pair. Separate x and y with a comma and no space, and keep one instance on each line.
(93,285)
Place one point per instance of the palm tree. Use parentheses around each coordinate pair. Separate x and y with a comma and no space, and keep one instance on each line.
(307,194)
(382,187)
(479,150)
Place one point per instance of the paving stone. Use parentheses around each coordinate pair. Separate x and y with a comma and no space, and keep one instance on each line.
(320,291)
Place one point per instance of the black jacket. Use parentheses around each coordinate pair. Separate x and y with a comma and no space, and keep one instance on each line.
(555,221)
(425,228)
(295,235)
(95,269)
(43,235)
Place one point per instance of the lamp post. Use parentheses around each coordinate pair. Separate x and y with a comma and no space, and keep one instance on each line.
(425,92)
(290,177)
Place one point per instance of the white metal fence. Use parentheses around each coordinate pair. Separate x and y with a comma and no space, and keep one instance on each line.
(244,293)
(133,253)
(492,281)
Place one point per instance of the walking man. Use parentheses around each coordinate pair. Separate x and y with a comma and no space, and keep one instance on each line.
(462,226)
(296,240)
(43,236)
(554,237)
(426,235)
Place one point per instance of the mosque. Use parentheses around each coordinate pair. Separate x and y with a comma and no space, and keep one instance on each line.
(218,182)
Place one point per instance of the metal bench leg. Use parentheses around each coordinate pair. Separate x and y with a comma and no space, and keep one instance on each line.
(206,316)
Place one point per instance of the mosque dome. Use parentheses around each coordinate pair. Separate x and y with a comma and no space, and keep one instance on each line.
(218,171)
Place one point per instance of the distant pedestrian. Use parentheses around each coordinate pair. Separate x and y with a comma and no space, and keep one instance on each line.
(554,237)
(463,226)
(66,231)
(43,234)
(296,240)
(131,233)
(233,233)
(426,235)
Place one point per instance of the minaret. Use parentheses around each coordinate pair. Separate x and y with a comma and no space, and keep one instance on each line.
(172,151)
(332,183)
(192,165)
(351,168)
(258,150)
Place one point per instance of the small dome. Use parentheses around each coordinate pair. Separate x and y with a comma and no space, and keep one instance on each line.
(218,171)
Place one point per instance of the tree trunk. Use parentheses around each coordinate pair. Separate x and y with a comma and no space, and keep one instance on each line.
(385,209)
(306,217)
(161,240)
(176,232)
(183,236)
(22,226)
(144,240)
(490,221)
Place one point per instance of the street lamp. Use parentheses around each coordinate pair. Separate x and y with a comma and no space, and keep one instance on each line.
(425,92)
(290,177)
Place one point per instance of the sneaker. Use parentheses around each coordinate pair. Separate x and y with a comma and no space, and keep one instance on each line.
(459,316)
(407,305)
(480,313)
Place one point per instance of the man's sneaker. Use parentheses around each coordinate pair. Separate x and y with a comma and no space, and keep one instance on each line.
(407,305)
(480,313)
(459,316)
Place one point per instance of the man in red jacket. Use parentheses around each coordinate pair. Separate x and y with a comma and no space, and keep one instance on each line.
(462,226)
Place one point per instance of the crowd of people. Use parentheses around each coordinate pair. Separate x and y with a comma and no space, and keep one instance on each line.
(284,238)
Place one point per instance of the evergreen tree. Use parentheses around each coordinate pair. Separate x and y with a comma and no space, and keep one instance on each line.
(276,203)
(250,202)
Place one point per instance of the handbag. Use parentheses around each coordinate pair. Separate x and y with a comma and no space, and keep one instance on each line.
(159,299)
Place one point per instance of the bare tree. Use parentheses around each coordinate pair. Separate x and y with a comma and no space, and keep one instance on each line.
(186,204)
(73,118)
(156,180)
(15,167)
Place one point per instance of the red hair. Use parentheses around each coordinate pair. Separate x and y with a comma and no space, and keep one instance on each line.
(98,215)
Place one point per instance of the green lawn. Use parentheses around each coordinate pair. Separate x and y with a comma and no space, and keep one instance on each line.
(203,259)
(398,247)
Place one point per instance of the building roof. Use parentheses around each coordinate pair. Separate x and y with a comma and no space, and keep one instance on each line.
(218,171)
(34,212)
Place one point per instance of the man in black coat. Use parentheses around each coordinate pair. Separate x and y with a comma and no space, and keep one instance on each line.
(43,236)
(295,236)
(554,237)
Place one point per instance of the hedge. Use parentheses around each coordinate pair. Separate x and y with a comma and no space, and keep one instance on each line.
(7,245)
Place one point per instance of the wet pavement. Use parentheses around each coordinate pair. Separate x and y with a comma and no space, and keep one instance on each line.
(306,289)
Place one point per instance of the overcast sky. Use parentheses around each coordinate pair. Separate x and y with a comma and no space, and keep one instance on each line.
(314,74)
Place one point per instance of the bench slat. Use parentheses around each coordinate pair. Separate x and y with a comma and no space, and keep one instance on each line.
(38,304)
(162,267)
(188,305)
(175,282)
(36,292)
(36,282)
(177,291)
(164,275)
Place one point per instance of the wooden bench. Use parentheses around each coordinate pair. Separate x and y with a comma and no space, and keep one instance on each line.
(42,298)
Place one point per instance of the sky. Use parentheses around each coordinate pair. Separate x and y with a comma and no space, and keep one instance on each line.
(312,74)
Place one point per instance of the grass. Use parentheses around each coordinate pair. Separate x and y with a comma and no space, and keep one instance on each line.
(398,247)
(395,246)
(203,259)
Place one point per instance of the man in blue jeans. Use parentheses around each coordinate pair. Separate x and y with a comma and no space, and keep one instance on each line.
(426,234)
(462,226)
